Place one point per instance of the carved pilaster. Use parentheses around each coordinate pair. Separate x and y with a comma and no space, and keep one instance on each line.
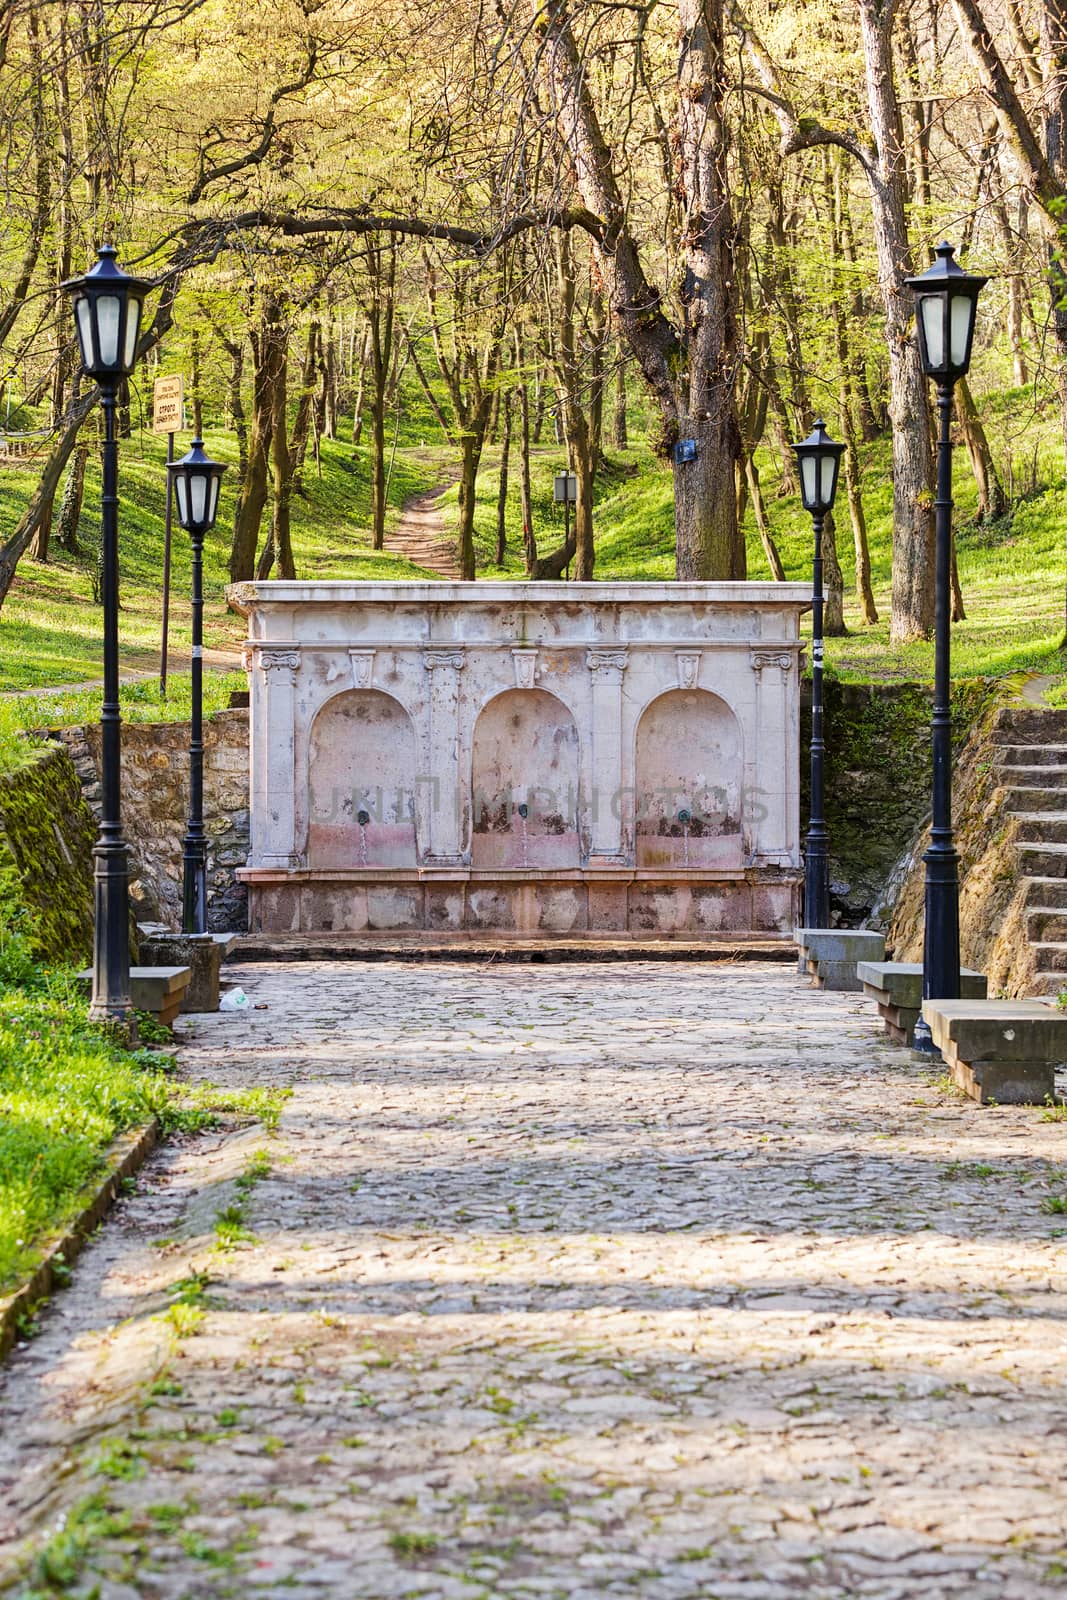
(274,731)
(606,669)
(442,798)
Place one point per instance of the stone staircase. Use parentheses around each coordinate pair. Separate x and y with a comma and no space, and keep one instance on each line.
(1031,767)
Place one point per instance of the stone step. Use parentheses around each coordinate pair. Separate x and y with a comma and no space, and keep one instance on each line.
(1041,827)
(1032,755)
(1046,923)
(1031,725)
(1051,956)
(1046,894)
(1023,801)
(1041,860)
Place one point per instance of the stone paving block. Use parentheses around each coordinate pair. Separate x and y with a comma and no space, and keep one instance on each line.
(652,1279)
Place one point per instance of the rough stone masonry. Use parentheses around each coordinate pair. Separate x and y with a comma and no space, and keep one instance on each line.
(573,1281)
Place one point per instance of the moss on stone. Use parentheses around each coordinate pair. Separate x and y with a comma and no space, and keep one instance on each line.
(46,856)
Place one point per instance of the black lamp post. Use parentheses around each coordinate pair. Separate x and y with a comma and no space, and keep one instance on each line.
(946,305)
(819,460)
(107,306)
(196,480)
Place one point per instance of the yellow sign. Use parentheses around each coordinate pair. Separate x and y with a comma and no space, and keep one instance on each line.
(168,407)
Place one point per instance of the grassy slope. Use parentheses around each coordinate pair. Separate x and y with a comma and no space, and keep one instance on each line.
(49,627)
(1012,572)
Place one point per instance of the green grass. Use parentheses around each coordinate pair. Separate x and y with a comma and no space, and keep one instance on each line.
(50,625)
(67,1090)
(1012,572)
(22,714)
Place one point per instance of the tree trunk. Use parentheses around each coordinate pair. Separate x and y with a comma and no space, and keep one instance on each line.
(529,542)
(71,506)
(361,387)
(912,614)
(269,340)
(992,501)
(833,624)
(848,389)
(196,385)
(502,491)
(471,452)
(770,549)
(619,431)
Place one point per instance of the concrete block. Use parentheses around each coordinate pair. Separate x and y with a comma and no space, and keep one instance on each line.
(158,990)
(998,1030)
(1005,1083)
(841,944)
(830,955)
(202,953)
(900,983)
(1000,1050)
(839,975)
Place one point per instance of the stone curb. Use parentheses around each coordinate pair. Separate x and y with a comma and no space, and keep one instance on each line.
(125,1157)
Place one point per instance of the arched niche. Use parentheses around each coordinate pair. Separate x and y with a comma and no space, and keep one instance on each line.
(524,809)
(689,779)
(361,783)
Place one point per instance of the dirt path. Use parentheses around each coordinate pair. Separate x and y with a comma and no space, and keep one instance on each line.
(420,535)
(557,1283)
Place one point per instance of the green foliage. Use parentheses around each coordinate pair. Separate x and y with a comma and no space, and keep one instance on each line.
(51,624)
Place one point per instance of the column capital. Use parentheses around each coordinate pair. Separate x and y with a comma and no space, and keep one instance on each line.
(434,659)
(274,659)
(607,665)
(782,659)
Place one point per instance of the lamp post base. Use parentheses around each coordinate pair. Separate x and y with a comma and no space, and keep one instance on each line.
(922,1042)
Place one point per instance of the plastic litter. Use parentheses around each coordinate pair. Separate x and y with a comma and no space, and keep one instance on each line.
(235,1000)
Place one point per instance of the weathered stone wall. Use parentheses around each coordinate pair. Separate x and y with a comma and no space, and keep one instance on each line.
(993,888)
(878,767)
(46,855)
(155,779)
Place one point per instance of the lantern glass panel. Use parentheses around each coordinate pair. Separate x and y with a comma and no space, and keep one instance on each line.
(197,495)
(108,316)
(961,318)
(809,482)
(931,309)
(183,499)
(214,501)
(829,473)
(84,319)
(133,328)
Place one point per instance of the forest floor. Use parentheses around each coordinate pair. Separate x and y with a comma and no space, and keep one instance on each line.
(557,1282)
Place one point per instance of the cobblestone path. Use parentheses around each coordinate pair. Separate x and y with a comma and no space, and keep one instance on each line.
(662,1280)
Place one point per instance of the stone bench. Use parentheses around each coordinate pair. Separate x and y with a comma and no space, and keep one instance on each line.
(897,989)
(830,955)
(202,953)
(157,990)
(1000,1051)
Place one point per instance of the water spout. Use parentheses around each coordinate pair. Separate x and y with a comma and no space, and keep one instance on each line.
(363,817)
